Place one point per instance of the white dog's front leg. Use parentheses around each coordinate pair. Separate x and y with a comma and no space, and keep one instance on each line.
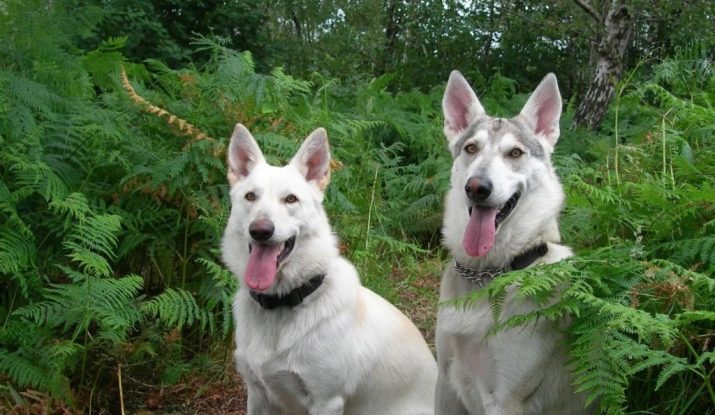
(333,406)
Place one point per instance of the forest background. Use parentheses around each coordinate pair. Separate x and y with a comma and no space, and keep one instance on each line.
(113,195)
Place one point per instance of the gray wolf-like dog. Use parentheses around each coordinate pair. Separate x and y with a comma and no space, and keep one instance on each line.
(501,214)
(309,338)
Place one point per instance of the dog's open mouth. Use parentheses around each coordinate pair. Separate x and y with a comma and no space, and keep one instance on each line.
(483,222)
(263,261)
(286,248)
(505,209)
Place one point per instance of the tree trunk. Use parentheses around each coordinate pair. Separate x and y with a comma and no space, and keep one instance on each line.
(392,25)
(487,48)
(616,35)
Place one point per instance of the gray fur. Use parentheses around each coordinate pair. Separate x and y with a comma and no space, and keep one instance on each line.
(525,137)
(466,135)
(497,128)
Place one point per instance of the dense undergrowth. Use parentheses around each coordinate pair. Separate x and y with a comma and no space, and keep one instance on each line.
(111,216)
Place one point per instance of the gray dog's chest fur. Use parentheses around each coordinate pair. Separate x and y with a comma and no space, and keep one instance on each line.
(528,359)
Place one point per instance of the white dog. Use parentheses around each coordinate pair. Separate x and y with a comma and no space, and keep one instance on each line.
(501,214)
(309,338)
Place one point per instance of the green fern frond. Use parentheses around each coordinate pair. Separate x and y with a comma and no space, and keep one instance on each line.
(605,195)
(17,251)
(74,204)
(28,373)
(107,302)
(689,251)
(222,276)
(32,175)
(88,260)
(686,318)
(670,369)
(226,284)
(285,84)
(8,207)
(93,241)
(177,308)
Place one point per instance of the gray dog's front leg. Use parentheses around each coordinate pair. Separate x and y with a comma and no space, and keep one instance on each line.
(258,403)
(333,406)
(447,401)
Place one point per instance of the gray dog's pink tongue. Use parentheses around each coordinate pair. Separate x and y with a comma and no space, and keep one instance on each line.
(262,266)
(479,235)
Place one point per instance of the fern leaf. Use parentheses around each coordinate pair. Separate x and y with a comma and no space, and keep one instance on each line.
(176,308)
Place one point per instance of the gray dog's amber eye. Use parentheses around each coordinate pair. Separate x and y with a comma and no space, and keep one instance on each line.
(250,196)
(471,148)
(515,152)
(291,198)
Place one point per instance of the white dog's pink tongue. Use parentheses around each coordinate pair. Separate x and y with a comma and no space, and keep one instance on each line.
(479,235)
(262,266)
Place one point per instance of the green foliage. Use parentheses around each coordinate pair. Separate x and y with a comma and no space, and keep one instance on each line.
(165,29)
(110,217)
(416,43)
(178,308)
(82,212)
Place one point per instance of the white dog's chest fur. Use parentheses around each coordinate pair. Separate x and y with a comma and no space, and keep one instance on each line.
(286,362)
(341,342)
(287,352)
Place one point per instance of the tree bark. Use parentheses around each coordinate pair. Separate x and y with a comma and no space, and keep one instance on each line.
(616,31)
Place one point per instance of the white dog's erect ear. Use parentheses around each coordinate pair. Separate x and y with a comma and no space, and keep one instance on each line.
(313,159)
(243,154)
(459,104)
(543,109)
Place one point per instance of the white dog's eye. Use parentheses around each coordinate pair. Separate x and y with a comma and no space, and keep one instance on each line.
(471,148)
(250,196)
(516,153)
(291,198)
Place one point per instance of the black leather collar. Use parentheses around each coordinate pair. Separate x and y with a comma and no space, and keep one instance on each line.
(291,299)
(521,261)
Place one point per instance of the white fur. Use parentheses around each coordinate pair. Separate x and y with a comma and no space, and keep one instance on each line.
(460,105)
(344,350)
(521,370)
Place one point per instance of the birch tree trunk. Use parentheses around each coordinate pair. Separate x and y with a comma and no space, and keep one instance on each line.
(616,31)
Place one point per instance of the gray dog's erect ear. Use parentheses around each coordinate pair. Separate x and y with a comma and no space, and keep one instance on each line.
(543,109)
(313,159)
(459,104)
(243,154)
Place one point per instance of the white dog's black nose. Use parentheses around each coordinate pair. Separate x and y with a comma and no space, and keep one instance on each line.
(261,229)
(478,188)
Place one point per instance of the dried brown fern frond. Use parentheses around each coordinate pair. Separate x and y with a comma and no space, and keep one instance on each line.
(181,124)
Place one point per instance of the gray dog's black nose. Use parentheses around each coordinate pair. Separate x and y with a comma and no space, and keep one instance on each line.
(478,189)
(261,229)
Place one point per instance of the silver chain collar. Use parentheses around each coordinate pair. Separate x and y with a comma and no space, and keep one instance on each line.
(480,277)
